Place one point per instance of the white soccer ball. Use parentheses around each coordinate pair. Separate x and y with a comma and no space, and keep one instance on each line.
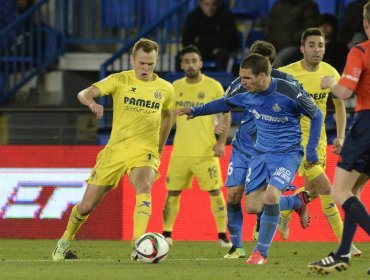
(152,247)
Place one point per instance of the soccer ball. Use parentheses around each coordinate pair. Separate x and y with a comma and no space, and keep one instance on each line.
(152,247)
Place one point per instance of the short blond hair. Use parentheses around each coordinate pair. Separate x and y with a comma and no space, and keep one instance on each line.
(146,45)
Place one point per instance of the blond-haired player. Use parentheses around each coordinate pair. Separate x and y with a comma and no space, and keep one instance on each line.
(142,118)
(196,150)
(308,72)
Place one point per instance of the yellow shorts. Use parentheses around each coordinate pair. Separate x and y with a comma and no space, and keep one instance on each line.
(115,160)
(182,170)
(313,172)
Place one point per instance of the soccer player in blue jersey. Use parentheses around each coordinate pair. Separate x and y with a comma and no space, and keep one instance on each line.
(277,106)
(243,148)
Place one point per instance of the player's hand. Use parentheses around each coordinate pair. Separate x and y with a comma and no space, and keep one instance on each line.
(337,145)
(184,111)
(219,150)
(97,109)
(327,82)
(311,157)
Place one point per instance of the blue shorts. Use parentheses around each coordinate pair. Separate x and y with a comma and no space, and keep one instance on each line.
(355,153)
(274,169)
(238,167)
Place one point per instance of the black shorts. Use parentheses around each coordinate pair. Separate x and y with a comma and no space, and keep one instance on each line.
(356,148)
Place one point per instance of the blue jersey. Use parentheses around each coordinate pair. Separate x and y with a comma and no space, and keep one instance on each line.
(246,134)
(277,112)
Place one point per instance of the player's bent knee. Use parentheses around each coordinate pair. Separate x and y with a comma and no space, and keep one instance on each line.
(252,209)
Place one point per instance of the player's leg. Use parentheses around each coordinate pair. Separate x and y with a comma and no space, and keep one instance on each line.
(235,221)
(208,173)
(218,208)
(80,212)
(343,183)
(351,173)
(179,177)
(280,170)
(142,179)
(268,224)
(170,212)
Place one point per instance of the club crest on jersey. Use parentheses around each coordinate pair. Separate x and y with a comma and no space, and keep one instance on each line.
(276,108)
(158,95)
(201,95)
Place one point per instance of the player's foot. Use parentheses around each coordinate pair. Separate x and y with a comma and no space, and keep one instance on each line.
(256,258)
(235,253)
(304,216)
(134,256)
(355,252)
(256,230)
(368,271)
(330,264)
(61,251)
(167,236)
(283,227)
(224,241)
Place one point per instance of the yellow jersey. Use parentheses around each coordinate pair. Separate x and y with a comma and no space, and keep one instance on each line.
(196,137)
(137,107)
(311,83)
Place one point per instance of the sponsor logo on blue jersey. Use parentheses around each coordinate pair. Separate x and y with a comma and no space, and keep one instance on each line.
(268,117)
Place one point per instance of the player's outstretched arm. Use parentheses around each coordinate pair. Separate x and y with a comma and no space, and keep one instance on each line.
(87,96)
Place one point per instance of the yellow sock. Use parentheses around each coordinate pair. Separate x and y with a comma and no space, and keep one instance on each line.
(332,215)
(142,213)
(170,211)
(218,208)
(74,223)
(286,213)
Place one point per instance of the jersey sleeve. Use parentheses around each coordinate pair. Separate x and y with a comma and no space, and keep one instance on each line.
(353,69)
(169,102)
(107,85)
(306,104)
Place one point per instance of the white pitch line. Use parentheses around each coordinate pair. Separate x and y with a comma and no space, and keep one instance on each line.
(109,260)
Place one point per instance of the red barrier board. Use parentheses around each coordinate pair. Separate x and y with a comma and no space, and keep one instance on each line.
(39,185)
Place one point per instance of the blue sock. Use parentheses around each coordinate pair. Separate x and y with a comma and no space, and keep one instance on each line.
(349,230)
(235,223)
(357,212)
(269,222)
(288,202)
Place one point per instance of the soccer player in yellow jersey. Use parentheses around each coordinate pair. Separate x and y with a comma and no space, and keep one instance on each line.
(142,119)
(196,149)
(308,72)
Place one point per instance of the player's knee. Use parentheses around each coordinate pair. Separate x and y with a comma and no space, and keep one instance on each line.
(234,197)
(270,198)
(252,209)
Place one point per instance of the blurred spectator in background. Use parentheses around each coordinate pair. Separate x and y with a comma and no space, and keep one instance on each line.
(335,52)
(284,26)
(23,5)
(352,31)
(212,28)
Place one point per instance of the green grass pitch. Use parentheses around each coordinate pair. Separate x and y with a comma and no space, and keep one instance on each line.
(31,259)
